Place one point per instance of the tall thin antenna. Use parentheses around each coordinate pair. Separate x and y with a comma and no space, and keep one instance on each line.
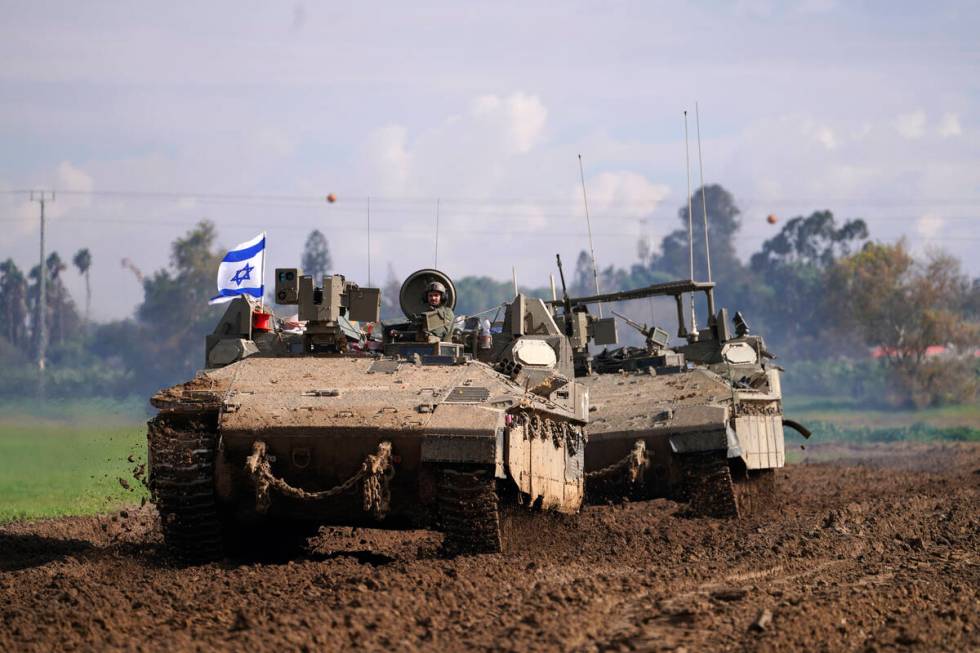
(369,238)
(588,223)
(690,219)
(435,262)
(704,201)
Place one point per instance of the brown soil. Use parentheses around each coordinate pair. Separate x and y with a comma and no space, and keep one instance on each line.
(862,549)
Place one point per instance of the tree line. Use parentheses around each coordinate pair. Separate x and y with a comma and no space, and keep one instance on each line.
(20,304)
(820,290)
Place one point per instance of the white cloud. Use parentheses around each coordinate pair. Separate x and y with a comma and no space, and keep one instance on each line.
(950,125)
(519,118)
(623,193)
(23,214)
(911,125)
(929,225)
(465,155)
(827,138)
(71,177)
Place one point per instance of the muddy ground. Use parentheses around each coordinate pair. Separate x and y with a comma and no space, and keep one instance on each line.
(864,549)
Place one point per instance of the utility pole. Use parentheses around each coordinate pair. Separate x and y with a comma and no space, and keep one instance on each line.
(42,196)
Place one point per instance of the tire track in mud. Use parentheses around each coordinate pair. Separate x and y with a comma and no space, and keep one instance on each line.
(849,556)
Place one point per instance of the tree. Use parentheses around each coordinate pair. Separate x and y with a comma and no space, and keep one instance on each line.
(13,304)
(60,315)
(972,304)
(813,241)
(723,224)
(735,289)
(316,256)
(792,267)
(83,261)
(904,307)
(174,316)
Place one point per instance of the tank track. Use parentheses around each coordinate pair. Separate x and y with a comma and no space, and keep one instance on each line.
(469,514)
(707,485)
(182,451)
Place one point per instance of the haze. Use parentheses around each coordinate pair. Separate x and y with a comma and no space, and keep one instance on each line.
(869,110)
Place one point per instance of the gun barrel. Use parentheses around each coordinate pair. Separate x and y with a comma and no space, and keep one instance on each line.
(642,328)
(561,273)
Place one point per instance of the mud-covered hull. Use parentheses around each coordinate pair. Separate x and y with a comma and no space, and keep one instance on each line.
(683,419)
(300,439)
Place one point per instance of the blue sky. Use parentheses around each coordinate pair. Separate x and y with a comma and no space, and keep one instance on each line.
(868,109)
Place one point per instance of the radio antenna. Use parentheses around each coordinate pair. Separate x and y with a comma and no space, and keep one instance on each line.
(588,224)
(369,239)
(435,262)
(690,220)
(704,201)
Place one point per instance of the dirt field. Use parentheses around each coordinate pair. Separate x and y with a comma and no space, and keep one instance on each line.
(868,549)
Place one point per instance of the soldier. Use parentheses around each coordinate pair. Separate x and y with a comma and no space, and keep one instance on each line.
(438,320)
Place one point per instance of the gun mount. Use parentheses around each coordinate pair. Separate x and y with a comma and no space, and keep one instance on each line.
(329,309)
(675,289)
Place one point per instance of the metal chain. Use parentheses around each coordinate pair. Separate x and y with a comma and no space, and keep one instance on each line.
(635,462)
(376,471)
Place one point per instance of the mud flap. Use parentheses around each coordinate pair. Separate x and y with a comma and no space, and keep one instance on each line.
(549,470)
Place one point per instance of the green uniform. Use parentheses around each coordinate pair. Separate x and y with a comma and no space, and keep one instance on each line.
(441,319)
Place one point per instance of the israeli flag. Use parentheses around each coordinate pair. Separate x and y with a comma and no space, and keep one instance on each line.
(241,271)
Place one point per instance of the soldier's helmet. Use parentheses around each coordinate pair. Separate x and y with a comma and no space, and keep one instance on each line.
(435,286)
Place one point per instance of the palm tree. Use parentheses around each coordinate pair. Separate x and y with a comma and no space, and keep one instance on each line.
(56,297)
(83,261)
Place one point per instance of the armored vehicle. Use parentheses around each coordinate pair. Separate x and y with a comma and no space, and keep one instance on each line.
(700,422)
(333,417)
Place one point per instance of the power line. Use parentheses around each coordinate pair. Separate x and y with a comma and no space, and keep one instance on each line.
(357,228)
(547,217)
(376,200)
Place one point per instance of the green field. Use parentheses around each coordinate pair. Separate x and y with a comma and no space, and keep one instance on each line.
(844,419)
(67,458)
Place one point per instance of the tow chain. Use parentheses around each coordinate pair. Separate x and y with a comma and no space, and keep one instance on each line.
(634,463)
(376,473)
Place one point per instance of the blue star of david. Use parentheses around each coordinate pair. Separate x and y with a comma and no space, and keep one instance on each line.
(243,275)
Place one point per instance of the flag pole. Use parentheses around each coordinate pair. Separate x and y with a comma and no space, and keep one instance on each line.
(265,246)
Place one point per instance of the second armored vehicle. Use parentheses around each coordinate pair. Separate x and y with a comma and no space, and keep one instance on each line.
(700,422)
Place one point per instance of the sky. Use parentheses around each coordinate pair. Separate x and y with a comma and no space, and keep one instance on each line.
(146,118)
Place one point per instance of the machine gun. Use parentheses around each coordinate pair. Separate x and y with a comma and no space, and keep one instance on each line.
(581,327)
(656,338)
